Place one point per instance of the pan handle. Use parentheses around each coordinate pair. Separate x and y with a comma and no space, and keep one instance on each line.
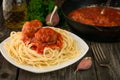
(108,29)
(99,29)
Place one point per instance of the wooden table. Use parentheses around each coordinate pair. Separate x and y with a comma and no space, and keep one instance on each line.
(10,72)
(111,50)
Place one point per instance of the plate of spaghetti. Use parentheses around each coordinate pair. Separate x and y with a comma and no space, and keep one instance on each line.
(41,49)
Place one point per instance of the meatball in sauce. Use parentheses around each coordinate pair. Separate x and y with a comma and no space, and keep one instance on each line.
(40,37)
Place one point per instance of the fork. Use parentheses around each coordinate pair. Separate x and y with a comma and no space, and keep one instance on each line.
(101,58)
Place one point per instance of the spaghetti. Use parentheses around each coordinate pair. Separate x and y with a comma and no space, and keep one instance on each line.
(23,54)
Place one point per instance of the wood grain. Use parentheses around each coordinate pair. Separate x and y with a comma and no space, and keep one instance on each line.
(111,50)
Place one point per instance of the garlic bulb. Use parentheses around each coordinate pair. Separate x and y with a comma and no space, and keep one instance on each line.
(52,19)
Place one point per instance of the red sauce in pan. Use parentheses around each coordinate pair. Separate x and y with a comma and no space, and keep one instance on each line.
(93,16)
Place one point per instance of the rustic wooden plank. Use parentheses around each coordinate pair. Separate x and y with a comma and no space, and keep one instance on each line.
(7,70)
(112,51)
(114,54)
(61,74)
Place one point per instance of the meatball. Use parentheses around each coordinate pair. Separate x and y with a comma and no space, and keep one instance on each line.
(46,35)
(30,28)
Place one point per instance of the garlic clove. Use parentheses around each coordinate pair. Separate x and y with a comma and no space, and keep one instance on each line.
(85,64)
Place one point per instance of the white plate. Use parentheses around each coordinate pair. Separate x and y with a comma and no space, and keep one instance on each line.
(82,46)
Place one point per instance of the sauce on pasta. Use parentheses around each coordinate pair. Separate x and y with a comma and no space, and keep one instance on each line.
(93,16)
(40,37)
(46,37)
(22,53)
(40,46)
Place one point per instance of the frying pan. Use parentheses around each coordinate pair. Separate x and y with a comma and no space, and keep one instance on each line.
(95,33)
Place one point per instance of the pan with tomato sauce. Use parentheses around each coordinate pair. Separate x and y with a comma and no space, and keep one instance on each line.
(90,24)
(92,16)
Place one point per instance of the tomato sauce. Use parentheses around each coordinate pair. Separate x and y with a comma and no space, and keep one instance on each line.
(93,16)
(46,37)
(33,33)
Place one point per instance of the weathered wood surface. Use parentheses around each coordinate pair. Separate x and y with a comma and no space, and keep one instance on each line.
(111,50)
